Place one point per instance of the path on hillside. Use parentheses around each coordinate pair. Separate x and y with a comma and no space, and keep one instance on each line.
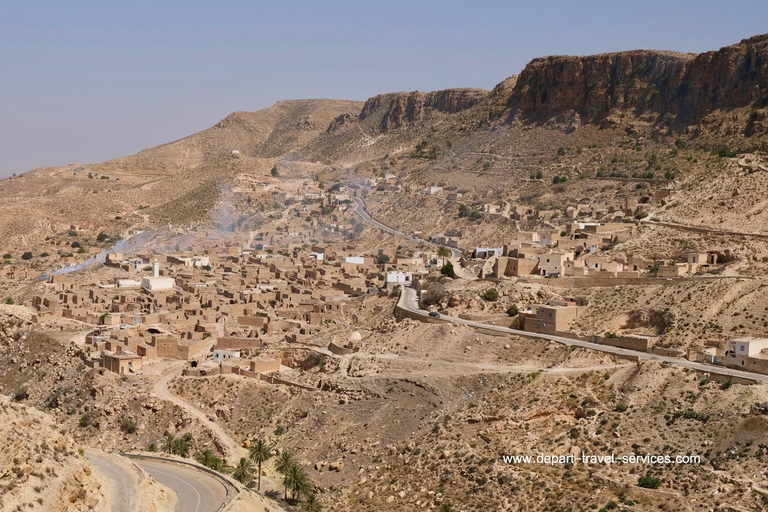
(121,483)
(698,229)
(460,368)
(233,450)
(408,302)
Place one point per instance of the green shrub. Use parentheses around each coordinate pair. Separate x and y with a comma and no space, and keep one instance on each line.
(690,414)
(491,294)
(87,419)
(724,152)
(128,425)
(26,256)
(512,310)
(21,394)
(649,482)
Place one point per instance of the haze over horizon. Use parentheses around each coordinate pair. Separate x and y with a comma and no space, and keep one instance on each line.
(86,82)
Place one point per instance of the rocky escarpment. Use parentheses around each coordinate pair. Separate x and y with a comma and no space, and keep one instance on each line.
(686,86)
(398,110)
(593,86)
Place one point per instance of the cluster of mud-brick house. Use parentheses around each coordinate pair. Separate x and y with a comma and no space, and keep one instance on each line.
(175,305)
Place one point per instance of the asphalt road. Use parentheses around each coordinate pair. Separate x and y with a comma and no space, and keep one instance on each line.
(408,301)
(363,213)
(197,491)
(123,491)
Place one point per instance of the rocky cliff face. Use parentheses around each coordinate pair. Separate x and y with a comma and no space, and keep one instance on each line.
(593,86)
(398,110)
(644,82)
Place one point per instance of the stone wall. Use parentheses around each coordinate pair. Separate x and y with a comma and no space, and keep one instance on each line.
(339,351)
(231,343)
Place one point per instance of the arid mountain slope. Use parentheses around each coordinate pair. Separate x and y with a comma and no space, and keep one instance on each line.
(645,102)
(271,132)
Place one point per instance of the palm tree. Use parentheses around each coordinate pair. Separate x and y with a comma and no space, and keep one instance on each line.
(311,504)
(181,446)
(209,460)
(259,451)
(168,443)
(243,471)
(443,252)
(297,481)
(284,461)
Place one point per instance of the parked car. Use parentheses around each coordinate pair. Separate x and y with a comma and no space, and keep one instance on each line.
(434,314)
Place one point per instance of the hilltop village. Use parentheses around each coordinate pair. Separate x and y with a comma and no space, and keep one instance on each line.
(260,301)
(393,300)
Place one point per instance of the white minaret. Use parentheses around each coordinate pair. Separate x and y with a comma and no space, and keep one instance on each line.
(156,268)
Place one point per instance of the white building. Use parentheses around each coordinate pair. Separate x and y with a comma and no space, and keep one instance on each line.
(748,346)
(483,253)
(319,256)
(396,277)
(356,260)
(157,283)
(224,355)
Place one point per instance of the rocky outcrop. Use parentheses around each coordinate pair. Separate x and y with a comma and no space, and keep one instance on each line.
(341,121)
(686,86)
(593,86)
(42,468)
(398,110)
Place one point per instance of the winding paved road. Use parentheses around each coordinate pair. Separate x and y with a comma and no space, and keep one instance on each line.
(197,491)
(361,211)
(408,301)
(122,482)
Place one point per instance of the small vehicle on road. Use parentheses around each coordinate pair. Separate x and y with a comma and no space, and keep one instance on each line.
(434,314)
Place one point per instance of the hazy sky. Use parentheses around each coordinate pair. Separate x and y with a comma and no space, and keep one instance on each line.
(88,81)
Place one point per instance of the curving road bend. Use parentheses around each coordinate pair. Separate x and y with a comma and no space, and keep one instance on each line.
(361,211)
(161,391)
(121,482)
(197,491)
(408,301)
